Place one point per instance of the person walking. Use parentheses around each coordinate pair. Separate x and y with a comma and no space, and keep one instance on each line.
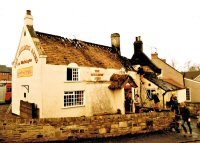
(185,117)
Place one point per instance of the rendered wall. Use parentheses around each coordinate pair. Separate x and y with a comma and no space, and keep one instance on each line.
(26,81)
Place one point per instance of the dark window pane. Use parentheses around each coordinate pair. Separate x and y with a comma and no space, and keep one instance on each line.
(69,74)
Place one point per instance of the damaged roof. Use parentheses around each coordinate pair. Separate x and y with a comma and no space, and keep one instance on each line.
(118,81)
(166,86)
(62,51)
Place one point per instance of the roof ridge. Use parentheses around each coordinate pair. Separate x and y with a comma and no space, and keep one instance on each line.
(111,49)
(51,35)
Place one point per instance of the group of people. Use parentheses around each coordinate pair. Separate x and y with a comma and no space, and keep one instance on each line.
(135,103)
(181,111)
(131,104)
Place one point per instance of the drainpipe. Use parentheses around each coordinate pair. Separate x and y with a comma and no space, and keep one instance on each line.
(141,91)
(184,79)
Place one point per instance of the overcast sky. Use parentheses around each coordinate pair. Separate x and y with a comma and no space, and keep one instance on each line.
(170,27)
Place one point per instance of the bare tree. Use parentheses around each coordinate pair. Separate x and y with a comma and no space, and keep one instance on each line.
(191,67)
(195,67)
(173,63)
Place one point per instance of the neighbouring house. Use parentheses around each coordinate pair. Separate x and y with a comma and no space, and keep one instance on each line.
(172,78)
(5,73)
(5,78)
(152,78)
(192,82)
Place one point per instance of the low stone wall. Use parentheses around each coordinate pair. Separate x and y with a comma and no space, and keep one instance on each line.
(194,109)
(41,130)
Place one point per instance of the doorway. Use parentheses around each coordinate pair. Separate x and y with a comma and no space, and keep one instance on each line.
(128,101)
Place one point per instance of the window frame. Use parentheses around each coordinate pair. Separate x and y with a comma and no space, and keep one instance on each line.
(188,90)
(74,76)
(149,93)
(74,99)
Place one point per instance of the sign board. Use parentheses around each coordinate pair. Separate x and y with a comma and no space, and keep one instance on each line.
(25,72)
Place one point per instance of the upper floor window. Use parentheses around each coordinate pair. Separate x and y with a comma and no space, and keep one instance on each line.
(72,74)
(188,94)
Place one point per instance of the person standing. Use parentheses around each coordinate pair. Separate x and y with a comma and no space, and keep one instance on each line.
(174,103)
(137,103)
(156,101)
(185,117)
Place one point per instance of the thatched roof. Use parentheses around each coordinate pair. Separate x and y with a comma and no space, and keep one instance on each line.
(118,81)
(62,51)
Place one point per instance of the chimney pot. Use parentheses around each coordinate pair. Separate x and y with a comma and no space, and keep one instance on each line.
(28,12)
(138,45)
(154,55)
(28,19)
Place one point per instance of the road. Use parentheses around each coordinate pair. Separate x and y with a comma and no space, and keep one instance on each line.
(158,137)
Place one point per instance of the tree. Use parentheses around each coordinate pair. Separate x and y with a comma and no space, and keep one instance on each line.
(195,67)
(191,67)
(173,63)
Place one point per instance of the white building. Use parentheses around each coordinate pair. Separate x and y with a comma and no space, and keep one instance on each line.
(70,78)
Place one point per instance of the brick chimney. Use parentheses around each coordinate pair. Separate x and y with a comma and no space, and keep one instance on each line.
(28,19)
(115,41)
(154,55)
(138,45)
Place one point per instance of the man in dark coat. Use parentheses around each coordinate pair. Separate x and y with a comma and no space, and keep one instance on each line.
(185,114)
(174,103)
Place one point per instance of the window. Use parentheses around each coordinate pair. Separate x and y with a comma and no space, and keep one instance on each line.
(73,98)
(187,94)
(24,95)
(72,74)
(149,93)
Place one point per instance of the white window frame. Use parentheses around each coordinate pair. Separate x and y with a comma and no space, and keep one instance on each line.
(189,90)
(74,101)
(75,76)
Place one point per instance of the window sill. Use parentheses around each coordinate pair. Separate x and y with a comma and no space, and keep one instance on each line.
(72,81)
(73,106)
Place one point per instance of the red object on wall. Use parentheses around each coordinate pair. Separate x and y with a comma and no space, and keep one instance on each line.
(8,93)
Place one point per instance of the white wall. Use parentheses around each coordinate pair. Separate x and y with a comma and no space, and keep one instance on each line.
(34,81)
(98,97)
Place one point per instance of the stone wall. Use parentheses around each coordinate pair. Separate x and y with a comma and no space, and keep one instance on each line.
(194,109)
(40,130)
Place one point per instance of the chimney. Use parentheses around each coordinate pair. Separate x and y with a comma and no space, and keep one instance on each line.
(138,45)
(115,41)
(154,55)
(164,60)
(28,19)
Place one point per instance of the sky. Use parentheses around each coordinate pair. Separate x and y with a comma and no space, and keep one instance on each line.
(169,27)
